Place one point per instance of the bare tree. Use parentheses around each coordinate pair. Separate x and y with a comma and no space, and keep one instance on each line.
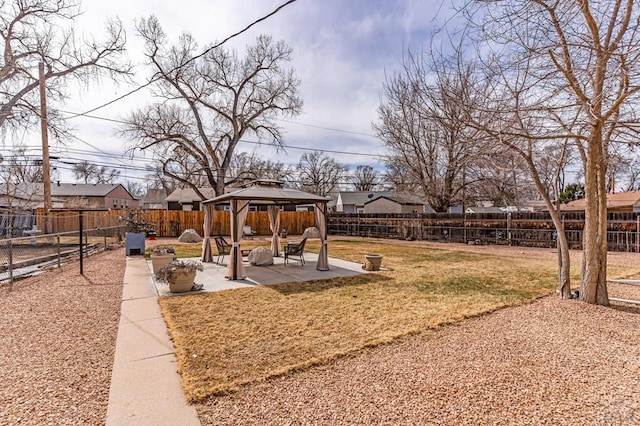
(210,101)
(320,174)
(246,167)
(423,122)
(397,176)
(136,189)
(157,179)
(33,31)
(567,71)
(365,178)
(92,173)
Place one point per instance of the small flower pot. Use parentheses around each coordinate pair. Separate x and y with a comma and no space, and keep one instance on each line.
(375,260)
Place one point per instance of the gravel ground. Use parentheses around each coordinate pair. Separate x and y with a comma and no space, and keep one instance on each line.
(548,362)
(58,341)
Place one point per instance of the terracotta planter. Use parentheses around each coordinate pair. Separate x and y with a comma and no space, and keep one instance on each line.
(375,260)
(181,281)
(160,260)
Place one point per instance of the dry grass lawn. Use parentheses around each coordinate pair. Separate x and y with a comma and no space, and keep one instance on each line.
(227,339)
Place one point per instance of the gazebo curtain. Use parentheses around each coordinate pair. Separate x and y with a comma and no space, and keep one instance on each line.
(274,225)
(239,211)
(321,219)
(207,256)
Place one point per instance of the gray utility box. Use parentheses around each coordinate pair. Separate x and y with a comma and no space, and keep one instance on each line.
(134,243)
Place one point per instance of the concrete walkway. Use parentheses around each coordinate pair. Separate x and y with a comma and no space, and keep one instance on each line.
(145,386)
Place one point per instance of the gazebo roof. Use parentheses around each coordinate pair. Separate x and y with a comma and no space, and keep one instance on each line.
(268,192)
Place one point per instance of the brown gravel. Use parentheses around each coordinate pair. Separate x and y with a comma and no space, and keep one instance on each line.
(57,342)
(549,362)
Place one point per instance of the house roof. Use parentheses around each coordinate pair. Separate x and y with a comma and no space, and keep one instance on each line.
(32,190)
(617,200)
(189,195)
(260,194)
(153,196)
(399,199)
(83,189)
(359,198)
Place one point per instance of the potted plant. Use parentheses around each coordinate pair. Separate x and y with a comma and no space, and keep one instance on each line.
(179,274)
(162,255)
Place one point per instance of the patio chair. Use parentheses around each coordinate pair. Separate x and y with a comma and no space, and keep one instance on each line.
(224,248)
(248,232)
(295,249)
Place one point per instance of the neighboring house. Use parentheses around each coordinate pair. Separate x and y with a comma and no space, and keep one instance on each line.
(379,202)
(621,202)
(354,201)
(101,195)
(66,195)
(154,199)
(24,198)
(396,204)
(187,199)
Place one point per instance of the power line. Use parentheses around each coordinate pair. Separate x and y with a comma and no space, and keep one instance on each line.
(156,78)
(332,151)
(327,128)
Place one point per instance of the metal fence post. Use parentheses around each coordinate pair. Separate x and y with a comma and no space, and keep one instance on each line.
(58,247)
(10,247)
(104,234)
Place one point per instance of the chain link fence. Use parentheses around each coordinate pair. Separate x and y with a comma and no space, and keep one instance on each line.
(36,252)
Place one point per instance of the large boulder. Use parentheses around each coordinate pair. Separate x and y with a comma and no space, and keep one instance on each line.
(311,232)
(190,236)
(260,256)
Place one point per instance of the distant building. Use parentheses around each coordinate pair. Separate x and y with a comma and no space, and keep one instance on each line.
(68,195)
(154,199)
(621,202)
(187,199)
(379,202)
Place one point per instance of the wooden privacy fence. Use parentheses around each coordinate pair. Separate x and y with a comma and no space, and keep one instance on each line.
(171,223)
(520,229)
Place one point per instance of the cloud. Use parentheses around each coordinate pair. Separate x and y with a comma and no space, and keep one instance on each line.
(341,53)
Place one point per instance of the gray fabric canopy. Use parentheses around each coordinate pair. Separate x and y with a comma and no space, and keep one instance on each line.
(269,193)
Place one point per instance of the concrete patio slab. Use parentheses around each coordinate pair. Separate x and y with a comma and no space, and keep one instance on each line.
(213,276)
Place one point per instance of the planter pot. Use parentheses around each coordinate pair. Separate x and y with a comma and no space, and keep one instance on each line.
(160,260)
(375,260)
(181,281)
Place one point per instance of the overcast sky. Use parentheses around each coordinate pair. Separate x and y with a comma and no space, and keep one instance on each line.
(341,52)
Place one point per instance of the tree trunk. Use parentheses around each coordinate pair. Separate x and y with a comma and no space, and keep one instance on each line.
(593,287)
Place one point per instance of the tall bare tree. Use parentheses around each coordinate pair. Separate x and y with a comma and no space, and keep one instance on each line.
(320,174)
(33,31)
(210,101)
(365,178)
(568,71)
(423,122)
(246,167)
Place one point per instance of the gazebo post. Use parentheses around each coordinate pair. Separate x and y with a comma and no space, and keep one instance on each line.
(234,225)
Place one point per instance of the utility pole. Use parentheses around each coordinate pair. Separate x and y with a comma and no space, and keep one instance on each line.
(46,172)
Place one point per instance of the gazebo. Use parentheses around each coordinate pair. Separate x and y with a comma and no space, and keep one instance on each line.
(274,195)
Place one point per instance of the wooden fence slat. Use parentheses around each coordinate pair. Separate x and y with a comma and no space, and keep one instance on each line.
(171,223)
